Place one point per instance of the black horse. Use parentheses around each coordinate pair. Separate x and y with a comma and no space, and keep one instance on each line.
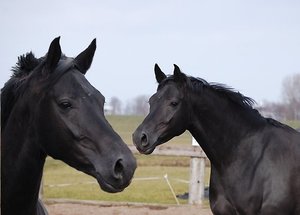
(255,161)
(49,108)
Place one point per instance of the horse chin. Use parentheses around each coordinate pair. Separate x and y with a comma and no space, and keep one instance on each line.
(148,150)
(107,187)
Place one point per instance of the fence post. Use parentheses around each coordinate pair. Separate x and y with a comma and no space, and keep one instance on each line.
(197,175)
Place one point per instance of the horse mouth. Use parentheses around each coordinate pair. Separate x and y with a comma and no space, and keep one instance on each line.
(146,151)
(108,187)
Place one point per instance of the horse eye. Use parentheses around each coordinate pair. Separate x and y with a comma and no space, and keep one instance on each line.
(174,104)
(65,105)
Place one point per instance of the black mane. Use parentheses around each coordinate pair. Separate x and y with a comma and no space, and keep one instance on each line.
(26,63)
(11,90)
(230,93)
(198,84)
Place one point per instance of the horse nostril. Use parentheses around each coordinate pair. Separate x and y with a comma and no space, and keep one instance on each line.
(119,169)
(144,140)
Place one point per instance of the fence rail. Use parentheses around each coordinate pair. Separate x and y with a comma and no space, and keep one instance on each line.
(197,167)
(186,151)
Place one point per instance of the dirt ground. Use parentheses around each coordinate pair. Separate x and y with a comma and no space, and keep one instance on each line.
(97,208)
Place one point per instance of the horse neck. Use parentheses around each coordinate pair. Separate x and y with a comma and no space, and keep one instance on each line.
(22,164)
(219,125)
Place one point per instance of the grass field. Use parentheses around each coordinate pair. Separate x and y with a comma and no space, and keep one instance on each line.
(62,181)
(69,183)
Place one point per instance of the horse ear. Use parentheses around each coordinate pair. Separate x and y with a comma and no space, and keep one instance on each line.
(53,55)
(159,75)
(178,75)
(85,58)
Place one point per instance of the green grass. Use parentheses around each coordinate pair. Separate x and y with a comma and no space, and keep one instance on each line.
(72,184)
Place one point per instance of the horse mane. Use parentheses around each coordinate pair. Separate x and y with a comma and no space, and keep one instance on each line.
(25,64)
(198,84)
(236,97)
(10,92)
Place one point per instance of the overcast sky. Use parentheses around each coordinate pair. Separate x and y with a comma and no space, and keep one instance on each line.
(248,45)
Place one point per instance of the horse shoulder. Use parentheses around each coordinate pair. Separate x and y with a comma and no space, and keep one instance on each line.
(261,171)
(280,169)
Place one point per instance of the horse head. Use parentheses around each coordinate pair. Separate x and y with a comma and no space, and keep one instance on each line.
(168,108)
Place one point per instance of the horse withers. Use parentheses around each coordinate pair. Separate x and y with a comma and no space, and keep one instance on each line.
(49,108)
(255,161)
